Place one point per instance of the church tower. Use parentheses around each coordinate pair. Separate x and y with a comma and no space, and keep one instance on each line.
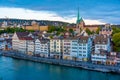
(79,23)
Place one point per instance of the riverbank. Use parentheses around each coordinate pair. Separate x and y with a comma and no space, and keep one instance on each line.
(77,64)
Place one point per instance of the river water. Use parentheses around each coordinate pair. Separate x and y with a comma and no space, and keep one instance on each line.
(14,69)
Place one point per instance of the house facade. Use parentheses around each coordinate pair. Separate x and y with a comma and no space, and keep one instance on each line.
(67,49)
(102,48)
(22,42)
(77,48)
(84,48)
(42,47)
(74,49)
(56,48)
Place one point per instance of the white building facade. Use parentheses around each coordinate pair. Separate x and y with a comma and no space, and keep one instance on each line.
(42,47)
(102,47)
(56,48)
(23,43)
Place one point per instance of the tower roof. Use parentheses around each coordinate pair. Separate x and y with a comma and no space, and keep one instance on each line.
(79,19)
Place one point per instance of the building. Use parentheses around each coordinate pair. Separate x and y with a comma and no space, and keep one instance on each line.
(30,45)
(2,43)
(74,49)
(35,26)
(100,57)
(106,30)
(26,45)
(21,41)
(6,36)
(42,47)
(16,37)
(102,42)
(84,48)
(77,48)
(102,48)
(56,48)
(67,48)
(111,58)
(80,25)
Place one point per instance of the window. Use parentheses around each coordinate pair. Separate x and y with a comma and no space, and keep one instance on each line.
(74,51)
(80,51)
(80,44)
(103,46)
(80,47)
(84,51)
(80,54)
(74,41)
(74,47)
(84,44)
(84,55)
(84,47)
(97,46)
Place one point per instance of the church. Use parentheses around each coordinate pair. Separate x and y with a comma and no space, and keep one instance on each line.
(80,24)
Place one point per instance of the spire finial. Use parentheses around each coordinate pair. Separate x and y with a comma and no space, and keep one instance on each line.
(78,16)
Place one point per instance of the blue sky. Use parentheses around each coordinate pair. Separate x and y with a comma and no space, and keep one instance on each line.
(92,11)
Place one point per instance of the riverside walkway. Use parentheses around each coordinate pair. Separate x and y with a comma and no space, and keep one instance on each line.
(78,64)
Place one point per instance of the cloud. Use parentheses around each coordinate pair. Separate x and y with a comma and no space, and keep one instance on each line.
(21,13)
(88,21)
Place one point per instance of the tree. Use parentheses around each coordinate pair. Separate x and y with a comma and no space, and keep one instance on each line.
(115,30)
(51,37)
(116,41)
(71,30)
(98,30)
(88,31)
(51,28)
(12,30)
(80,29)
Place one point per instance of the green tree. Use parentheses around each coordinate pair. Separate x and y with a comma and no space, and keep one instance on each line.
(71,30)
(98,30)
(115,30)
(51,37)
(116,41)
(80,29)
(88,31)
(51,28)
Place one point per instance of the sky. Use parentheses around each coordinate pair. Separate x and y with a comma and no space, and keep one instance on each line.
(92,11)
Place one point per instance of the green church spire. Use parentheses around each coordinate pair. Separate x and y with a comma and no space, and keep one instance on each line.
(78,17)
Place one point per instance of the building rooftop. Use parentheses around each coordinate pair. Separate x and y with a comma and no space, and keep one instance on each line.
(101,39)
(26,38)
(83,39)
(22,34)
(44,41)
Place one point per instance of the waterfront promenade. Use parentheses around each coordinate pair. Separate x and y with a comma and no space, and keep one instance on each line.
(78,64)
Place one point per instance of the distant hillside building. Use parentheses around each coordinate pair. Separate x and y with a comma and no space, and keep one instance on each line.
(35,26)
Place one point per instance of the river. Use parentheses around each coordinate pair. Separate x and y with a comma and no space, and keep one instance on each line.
(15,69)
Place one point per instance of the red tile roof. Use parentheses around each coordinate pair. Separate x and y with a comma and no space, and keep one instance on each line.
(22,34)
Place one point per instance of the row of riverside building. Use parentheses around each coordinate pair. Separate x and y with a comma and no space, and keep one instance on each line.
(96,49)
